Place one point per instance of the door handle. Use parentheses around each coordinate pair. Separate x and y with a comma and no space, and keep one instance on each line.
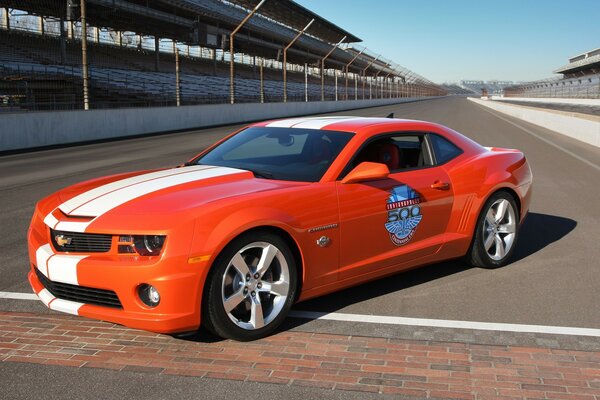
(440,185)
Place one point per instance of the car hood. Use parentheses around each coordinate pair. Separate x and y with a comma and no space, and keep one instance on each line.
(161,191)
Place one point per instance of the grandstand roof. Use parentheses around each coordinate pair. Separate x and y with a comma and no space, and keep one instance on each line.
(264,35)
(296,16)
(584,62)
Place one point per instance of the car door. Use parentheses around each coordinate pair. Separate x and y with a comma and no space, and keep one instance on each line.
(393,221)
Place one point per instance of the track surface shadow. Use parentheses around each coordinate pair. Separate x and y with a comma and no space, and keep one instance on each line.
(537,232)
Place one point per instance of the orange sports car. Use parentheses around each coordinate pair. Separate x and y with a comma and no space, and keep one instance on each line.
(279,212)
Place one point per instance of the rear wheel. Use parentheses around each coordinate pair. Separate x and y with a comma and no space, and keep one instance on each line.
(251,288)
(496,232)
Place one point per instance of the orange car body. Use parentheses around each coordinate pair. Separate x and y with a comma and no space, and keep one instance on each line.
(200,212)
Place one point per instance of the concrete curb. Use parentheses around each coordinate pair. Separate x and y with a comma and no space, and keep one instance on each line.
(39,129)
(581,129)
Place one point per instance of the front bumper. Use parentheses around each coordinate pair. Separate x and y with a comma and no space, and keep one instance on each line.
(179,283)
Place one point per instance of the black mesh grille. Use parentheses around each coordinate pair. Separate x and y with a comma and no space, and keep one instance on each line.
(80,294)
(80,242)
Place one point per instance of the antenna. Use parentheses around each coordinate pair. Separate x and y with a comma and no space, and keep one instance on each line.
(390,115)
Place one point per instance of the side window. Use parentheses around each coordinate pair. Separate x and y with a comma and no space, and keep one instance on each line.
(444,149)
(398,152)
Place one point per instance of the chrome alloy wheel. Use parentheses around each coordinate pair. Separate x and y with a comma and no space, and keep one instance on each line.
(255,285)
(499,229)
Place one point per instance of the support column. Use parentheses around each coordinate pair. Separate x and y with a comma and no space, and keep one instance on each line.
(355,87)
(262,82)
(84,58)
(290,44)
(41,26)
(231,52)
(336,87)
(323,67)
(305,82)
(63,41)
(6,19)
(156,53)
(177,81)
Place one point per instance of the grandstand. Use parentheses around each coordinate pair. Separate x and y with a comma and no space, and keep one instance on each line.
(581,79)
(454,89)
(138,53)
(492,88)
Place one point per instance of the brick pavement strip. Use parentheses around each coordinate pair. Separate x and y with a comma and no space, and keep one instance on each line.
(338,362)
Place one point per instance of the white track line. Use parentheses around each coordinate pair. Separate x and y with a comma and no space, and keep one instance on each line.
(388,320)
(542,138)
(18,296)
(442,323)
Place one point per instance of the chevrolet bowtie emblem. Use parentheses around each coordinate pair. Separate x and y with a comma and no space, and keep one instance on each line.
(62,240)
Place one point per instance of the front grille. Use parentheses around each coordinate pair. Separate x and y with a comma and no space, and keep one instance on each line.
(80,294)
(81,242)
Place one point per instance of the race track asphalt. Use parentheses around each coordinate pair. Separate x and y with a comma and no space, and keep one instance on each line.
(553,279)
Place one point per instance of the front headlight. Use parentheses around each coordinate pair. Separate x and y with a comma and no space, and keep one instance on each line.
(144,245)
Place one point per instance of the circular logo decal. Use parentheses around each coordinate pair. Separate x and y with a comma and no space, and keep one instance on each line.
(404,214)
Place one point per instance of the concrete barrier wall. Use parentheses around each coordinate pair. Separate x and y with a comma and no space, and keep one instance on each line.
(37,129)
(586,130)
(548,100)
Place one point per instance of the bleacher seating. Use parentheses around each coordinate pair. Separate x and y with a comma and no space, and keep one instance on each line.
(125,77)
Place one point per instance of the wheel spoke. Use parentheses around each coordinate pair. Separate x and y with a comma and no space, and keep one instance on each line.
(266,258)
(256,313)
(234,300)
(279,288)
(489,240)
(489,217)
(501,210)
(500,250)
(240,265)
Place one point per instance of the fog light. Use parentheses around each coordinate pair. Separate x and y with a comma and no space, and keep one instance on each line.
(149,295)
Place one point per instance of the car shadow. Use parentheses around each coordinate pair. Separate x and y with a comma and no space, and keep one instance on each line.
(537,232)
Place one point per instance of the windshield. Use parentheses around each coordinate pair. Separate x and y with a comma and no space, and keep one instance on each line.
(279,153)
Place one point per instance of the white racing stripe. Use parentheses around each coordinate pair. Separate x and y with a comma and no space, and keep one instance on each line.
(72,226)
(85,197)
(46,297)
(442,323)
(50,220)
(66,306)
(308,123)
(286,123)
(115,198)
(63,268)
(41,258)
(323,122)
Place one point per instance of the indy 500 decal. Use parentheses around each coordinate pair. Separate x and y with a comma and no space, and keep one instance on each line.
(404,214)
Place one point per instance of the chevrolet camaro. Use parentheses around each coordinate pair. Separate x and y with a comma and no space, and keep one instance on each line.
(276,213)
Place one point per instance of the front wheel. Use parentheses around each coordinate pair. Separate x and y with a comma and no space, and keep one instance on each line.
(496,232)
(251,288)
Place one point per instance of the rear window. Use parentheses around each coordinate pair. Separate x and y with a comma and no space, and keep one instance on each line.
(279,153)
(443,149)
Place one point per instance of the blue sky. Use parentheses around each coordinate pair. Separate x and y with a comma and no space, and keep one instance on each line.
(450,40)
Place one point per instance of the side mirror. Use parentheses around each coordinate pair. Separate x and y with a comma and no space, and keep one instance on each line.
(367,171)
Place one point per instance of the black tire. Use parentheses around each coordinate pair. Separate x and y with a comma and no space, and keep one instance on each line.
(228,324)
(479,255)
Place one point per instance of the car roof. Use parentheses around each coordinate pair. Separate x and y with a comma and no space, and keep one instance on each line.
(347,123)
